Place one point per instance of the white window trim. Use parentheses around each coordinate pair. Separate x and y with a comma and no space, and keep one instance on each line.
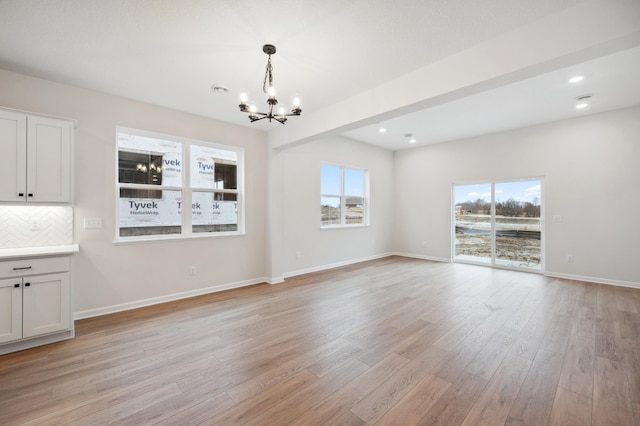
(343,210)
(185,189)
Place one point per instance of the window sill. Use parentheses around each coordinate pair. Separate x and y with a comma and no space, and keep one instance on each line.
(331,227)
(164,238)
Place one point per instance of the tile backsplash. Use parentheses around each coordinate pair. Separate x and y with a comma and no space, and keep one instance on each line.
(35,226)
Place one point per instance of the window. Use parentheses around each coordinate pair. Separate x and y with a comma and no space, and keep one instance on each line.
(343,196)
(499,223)
(159,174)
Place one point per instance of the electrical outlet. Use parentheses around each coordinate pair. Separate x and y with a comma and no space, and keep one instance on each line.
(298,254)
(35,224)
(193,271)
(557,218)
(569,258)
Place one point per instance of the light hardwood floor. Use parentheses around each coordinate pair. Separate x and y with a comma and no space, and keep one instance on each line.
(394,341)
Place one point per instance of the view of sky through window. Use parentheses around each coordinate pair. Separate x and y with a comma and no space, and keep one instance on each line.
(330,180)
(518,190)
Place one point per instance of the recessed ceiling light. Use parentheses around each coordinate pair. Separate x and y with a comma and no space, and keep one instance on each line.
(382,130)
(217,88)
(410,137)
(576,79)
(583,101)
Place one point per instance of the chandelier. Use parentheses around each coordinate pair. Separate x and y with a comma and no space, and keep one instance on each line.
(281,113)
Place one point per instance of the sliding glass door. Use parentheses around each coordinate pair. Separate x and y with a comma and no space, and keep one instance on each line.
(499,223)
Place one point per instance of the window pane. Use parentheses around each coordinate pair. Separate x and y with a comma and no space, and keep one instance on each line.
(213,168)
(518,224)
(354,210)
(137,167)
(149,151)
(150,216)
(354,182)
(330,179)
(473,222)
(330,211)
(214,212)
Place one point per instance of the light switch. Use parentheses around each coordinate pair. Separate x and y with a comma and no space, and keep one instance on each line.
(92,223)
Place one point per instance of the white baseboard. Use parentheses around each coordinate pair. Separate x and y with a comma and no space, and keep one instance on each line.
(592,279)
(162,299)
(334,265)
(419,256)
(275,280)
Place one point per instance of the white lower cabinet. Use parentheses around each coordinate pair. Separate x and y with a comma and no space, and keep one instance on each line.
(35,302)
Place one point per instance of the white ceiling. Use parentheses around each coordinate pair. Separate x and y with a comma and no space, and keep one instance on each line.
(612,81)
(170,53)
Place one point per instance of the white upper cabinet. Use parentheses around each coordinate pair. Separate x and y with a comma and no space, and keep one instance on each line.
(36,157)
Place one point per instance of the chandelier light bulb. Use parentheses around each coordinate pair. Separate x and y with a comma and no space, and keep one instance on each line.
(282,111)
(271,91)
(244,96)
(296,101)
(252,108)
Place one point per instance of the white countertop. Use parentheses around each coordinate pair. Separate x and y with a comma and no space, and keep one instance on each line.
(16,253)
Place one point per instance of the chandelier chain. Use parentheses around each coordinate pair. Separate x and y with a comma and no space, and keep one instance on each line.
(268,76)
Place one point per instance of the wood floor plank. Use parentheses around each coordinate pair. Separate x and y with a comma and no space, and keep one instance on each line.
(375,404)
(280,372)
(349,419)
(570,409)
(577,371)
(557,335)
(298,404)
(611,402)
(608,340)
(535,399)
(258,404)
(454,405)
(493,406)
(514,349)
(416,403)
(341,401)
(199,413)
(464,353)
(529,341)
(487,361)
(118,412)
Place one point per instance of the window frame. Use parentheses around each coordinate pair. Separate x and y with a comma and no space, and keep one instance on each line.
(186,188)
(343,197)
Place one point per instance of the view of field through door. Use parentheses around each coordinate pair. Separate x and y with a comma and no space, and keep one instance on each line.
(499,223)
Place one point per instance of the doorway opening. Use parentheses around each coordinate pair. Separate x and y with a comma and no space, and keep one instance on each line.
(499,224)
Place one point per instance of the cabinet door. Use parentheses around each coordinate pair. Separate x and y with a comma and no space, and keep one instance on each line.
(48,159)
(13,154)
(45,304)
(10,309)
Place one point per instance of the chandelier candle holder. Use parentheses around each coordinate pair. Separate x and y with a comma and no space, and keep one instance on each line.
(281,114)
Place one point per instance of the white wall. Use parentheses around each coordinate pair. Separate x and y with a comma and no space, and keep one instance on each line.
(300,209)
(591,172)
(589,166)
(109,276)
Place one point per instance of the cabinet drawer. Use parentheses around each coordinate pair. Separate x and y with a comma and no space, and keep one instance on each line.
(24,267)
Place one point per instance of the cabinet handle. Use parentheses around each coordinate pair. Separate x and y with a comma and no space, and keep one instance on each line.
(16,285)
(27,284)
(30,195)
(22,268)
(20,194)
